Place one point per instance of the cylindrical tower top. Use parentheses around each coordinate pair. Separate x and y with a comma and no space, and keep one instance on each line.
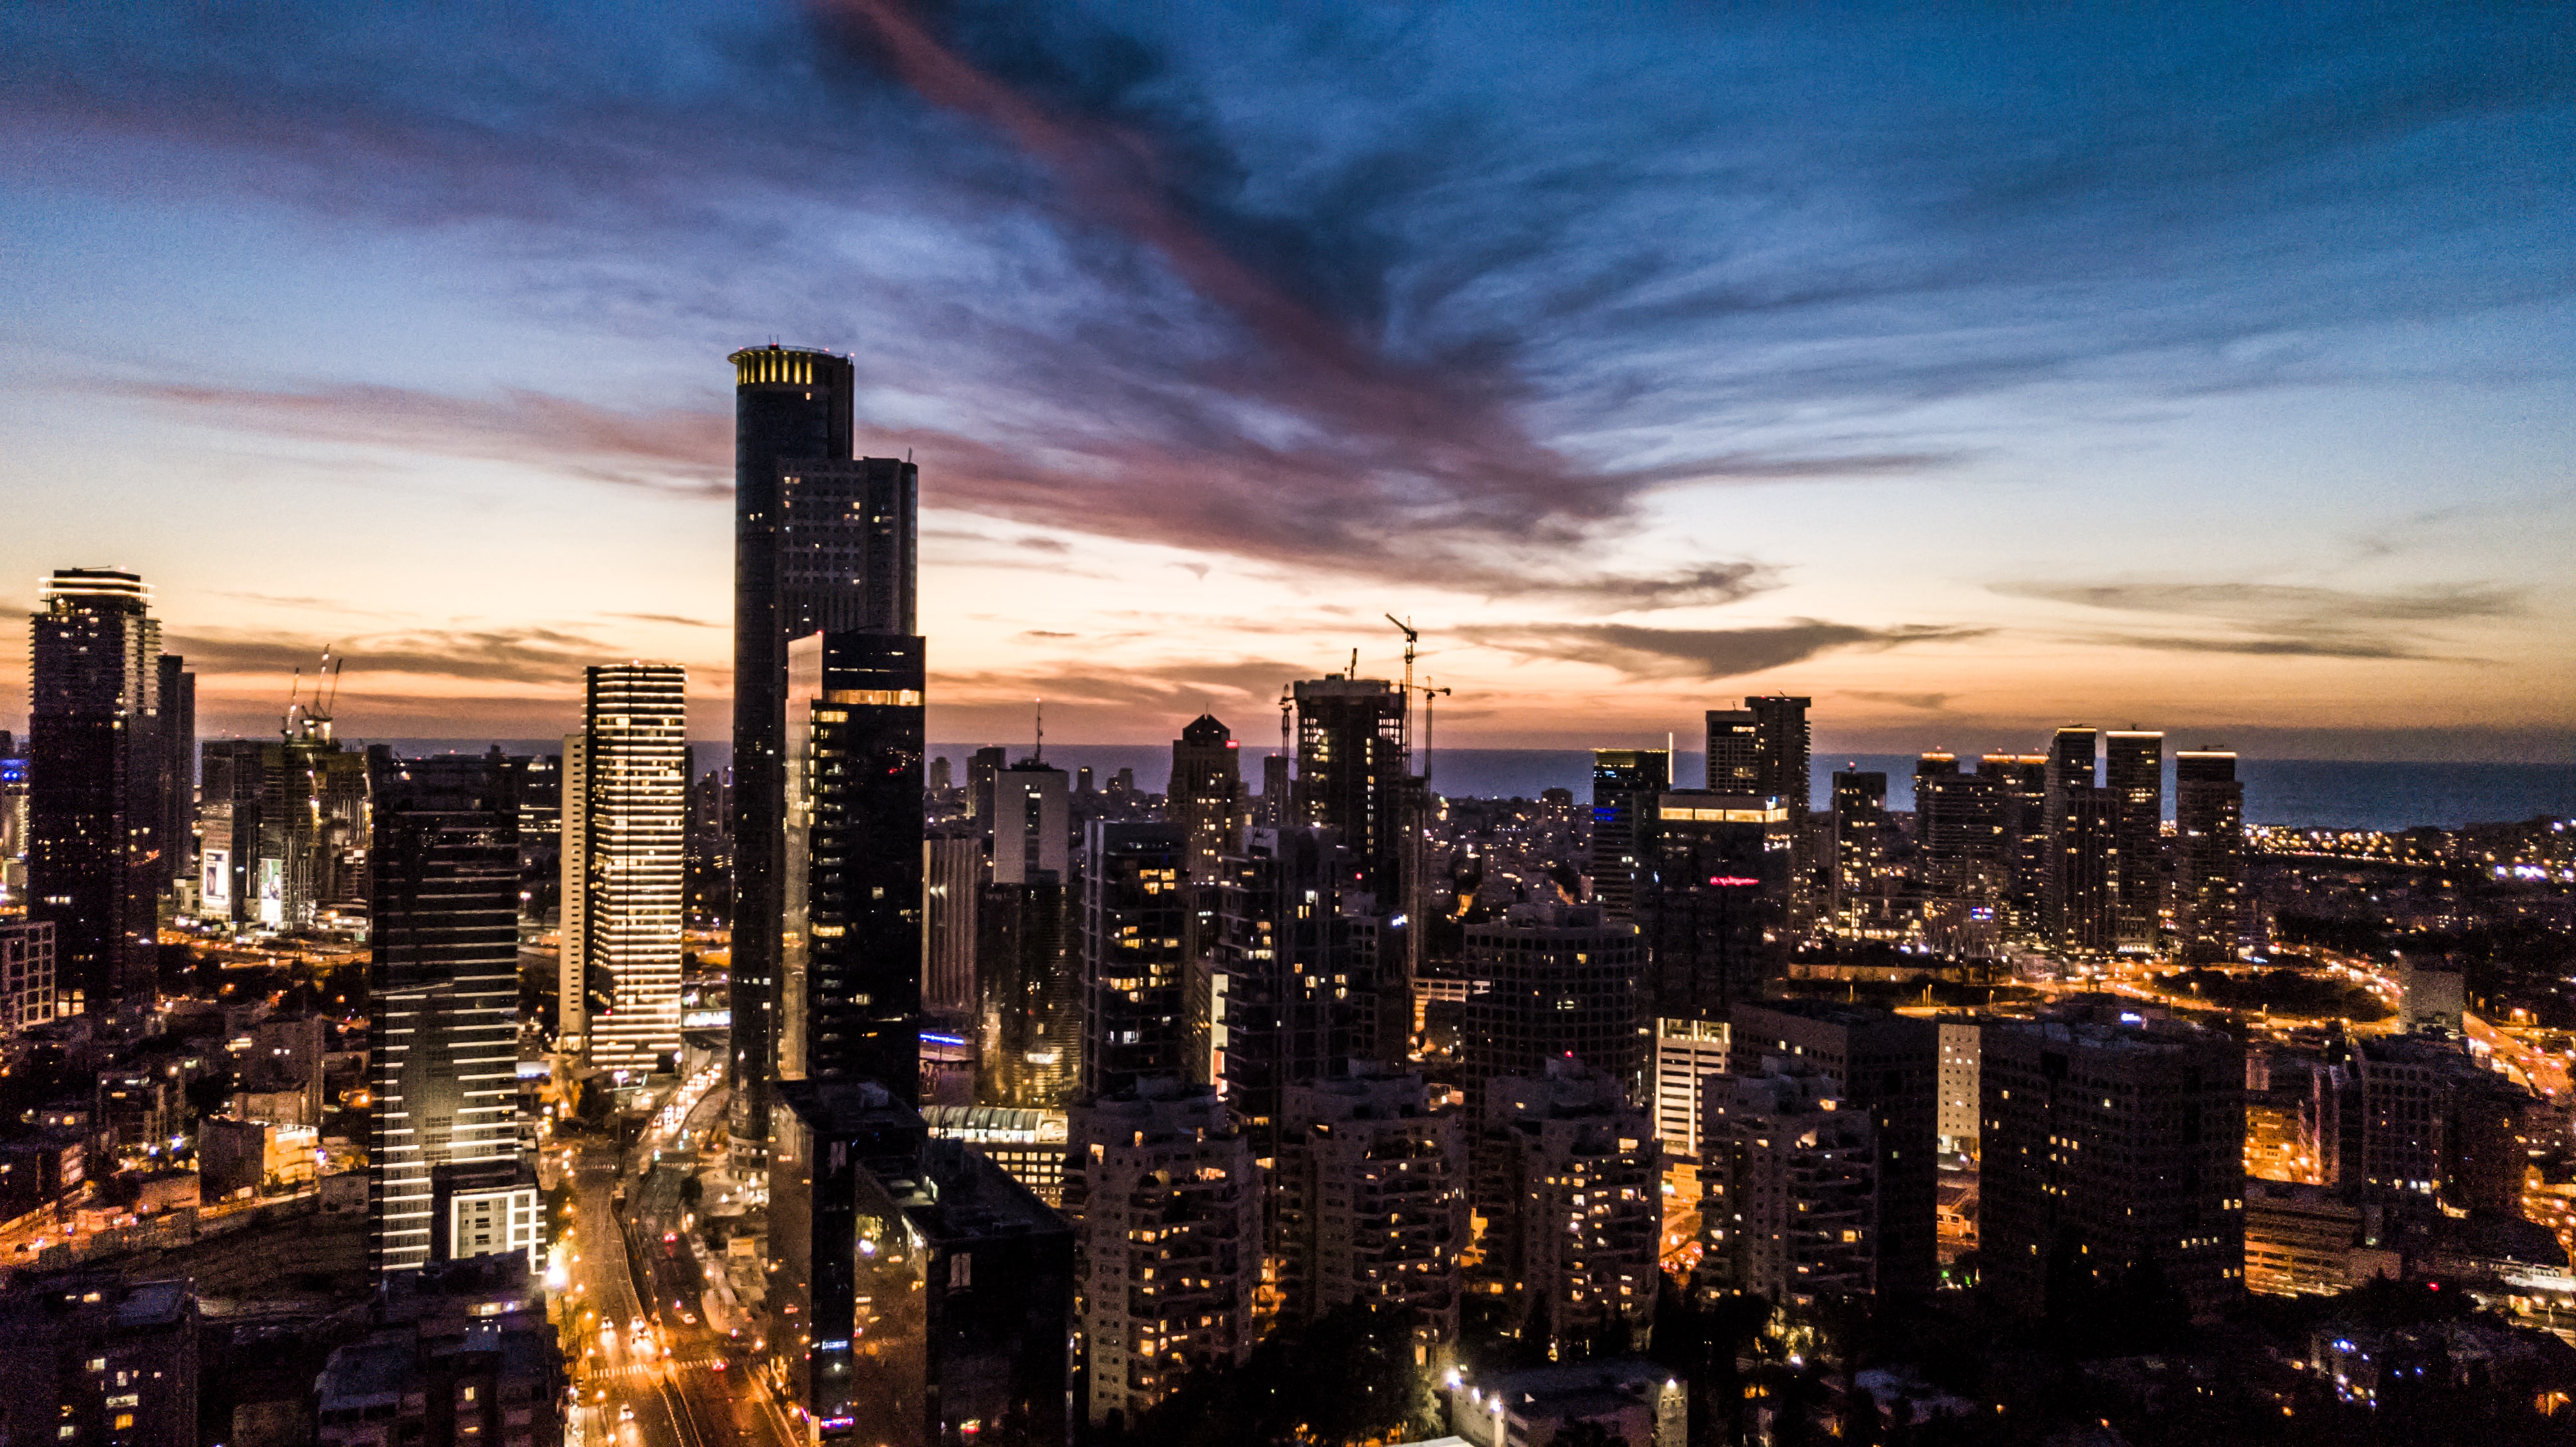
(76,587)
(774,365)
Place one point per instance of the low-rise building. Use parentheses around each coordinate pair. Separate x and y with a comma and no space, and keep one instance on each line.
(1639,1404)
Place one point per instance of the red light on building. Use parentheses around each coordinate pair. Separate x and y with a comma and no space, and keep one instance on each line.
(1733,881)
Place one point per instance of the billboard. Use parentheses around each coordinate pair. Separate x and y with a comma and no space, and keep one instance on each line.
(215,891)
(272,891)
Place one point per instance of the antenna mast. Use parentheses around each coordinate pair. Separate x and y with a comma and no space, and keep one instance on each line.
(1040,755)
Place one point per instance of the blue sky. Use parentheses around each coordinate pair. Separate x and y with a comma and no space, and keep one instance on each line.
(1970,372)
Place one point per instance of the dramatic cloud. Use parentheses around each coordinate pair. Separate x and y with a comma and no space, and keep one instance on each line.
(2277,620)
(1702,653)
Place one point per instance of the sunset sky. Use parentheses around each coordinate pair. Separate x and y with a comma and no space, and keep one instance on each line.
(1970,373)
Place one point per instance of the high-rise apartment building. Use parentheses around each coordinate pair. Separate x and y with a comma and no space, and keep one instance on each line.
(823,542)
(98,772)
(626,827)
(1569,1179)
(1135,964)
(1281,1004)
(850,956)
(1714,912)
(444,985)
(1205,796)
(1352,775)
(1030,824)
(27,979)
(1861,844)
(1625,785)
(177,738)
(1735,764)
(1956,1128)
(2110,1143)
(1687,1053)
(1374,1211)
(574,983)
(1887,1066)
(2209,855)
(1166,1205)
(2133,772)
(1550,981)
(1781,747)
(1789,1203)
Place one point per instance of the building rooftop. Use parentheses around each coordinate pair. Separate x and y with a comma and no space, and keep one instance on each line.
(958,1195)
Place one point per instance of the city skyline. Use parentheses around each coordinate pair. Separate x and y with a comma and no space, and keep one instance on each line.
(2111,385)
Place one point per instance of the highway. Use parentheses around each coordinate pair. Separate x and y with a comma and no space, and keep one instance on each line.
(678,1383)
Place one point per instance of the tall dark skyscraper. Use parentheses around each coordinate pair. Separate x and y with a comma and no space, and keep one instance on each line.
(1553,980)
(822,542)
(2021,792)
(1860,837)
(1351,775)
(178,769)
(1205,796)
(1625,785)
(97,777)
(851,949)
(1134,966)
(444,981)
(1282,1009)
(1735,751)
(2080,887)
(2133,770)
(1714,909)
(2209,854)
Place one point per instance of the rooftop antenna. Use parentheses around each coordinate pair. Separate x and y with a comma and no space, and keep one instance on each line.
(1040,755)
(1354,670)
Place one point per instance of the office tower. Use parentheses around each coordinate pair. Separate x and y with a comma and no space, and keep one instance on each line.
(573,975)
(1373,1206)
(1134,964)
(850,957)
(1687,1052)
(27,978)
(1280,1001)
(1625,785)
(1551,981)
(822,542)
(626,824)
(1205,796)
(2133,772)
(2069,789)
(1166,1206)
(1781,749)
(1887,1066)
(1714,912)
(1569,1179)
(1955,1128)
(1735,752)
(2085,873)
(1789,1202)
(228,807)
(2110,1143)
(94,805)
(919,1296)
(1959,830)
(1860,839)
(13,829)
(1352,775)
(178,768)
(2209,855)
(952,883)
(2021,803)
(444,987)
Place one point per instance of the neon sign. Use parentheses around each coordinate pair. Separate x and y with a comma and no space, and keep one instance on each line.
(1733,881)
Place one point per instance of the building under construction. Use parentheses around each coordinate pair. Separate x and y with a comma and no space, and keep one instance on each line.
(282,823)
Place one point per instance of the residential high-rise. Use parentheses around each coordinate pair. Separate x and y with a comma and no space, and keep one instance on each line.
(2209,855)
(1550,981)
(981,766)
(573,976)
(2021,789)
(1735,764)
(1781,749)
(822,542)
(1625,785)
(1205,796)
(1955,1129)
(1166,1206)
(444,988)
(1861,846)
(850,957)
(1281,1007)
(2133,771)
(1135,915)
(1888,1067)
(1031,824)
(2111,1142)
(627,825)
(1687,1053)
(1789,1199)
(1352,774)
(96,769)
(1569,1179)
(1374,1210)
(1714,912)
(1959,830)
(2075,905)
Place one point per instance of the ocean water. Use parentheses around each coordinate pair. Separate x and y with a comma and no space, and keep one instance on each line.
(2322,793)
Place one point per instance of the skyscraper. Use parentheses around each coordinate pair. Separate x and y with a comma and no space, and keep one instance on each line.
(1625,785)
(178,768)
(1781,749)
(2209,854)
(1714,912)
(1568,1176)
(629,826)
(822,541)
(1735,751)
(1205,795)
(2133,770)
(96,768)
(2078,909)
(1860,840)
(851,948)
(1372,1181)
(572,863)
(952,885)
(1134,966)
(2021,788)
(1352,775)
(1791,1183)
(444,984)
(1281,1009)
